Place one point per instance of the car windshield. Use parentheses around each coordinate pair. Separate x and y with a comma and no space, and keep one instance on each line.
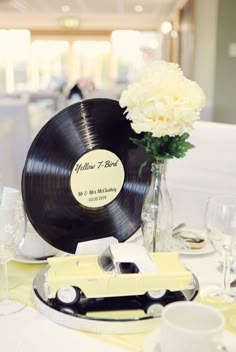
(105,261)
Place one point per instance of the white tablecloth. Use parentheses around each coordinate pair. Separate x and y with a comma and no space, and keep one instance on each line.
(29,331)
(208,169)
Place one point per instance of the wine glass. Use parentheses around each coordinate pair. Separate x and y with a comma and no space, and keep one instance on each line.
(220,222)
(12,231)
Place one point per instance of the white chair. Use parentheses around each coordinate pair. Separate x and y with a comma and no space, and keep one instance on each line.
(208,169)
(14,140)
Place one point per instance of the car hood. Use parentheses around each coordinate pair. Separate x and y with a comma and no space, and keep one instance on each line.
(79,266)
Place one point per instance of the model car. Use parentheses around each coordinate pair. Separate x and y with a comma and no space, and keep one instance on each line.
(124,269)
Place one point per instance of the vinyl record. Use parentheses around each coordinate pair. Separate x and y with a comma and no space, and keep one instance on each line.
(80,180)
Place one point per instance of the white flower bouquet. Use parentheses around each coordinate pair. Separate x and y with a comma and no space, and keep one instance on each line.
(163,104)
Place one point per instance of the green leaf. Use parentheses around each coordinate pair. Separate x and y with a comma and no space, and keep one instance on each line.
(163,148)
(137,141)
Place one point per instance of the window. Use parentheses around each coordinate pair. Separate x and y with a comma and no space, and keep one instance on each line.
(128,268)
(49,69)
(54,63)
(133,50)
(91,62)
(14,60)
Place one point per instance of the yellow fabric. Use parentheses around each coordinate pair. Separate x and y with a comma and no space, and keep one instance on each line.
(228,310)
(21,277)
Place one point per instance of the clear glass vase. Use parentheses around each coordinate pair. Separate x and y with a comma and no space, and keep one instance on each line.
(157,212)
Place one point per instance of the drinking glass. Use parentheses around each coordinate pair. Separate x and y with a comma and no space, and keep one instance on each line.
(12,231)
(220,222)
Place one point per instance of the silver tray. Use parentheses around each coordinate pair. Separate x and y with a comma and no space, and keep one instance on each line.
(127,315)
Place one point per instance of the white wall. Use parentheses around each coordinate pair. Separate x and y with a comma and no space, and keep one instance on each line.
(225,70)
(206,14)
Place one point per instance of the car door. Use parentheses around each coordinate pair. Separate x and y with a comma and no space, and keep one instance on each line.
(125,282)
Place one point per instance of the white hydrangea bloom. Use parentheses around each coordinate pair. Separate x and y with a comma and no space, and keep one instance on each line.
(162,101)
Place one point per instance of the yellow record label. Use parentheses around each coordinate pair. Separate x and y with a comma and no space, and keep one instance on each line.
(97,178)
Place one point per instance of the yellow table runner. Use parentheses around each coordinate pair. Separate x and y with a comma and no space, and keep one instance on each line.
(21,277)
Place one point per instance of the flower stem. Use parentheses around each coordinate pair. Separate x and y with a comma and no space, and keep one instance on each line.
(226,269)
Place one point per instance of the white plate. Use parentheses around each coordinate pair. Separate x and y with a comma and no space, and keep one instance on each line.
(28,261)
(151,342)
(207,249)
(21,259)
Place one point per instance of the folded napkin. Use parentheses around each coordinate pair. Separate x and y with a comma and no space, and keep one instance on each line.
(94,247)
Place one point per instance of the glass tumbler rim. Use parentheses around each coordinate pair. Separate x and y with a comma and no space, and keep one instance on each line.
(226,198)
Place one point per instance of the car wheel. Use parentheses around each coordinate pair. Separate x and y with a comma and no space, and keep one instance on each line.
(154,309)
(68,295)
(156,294)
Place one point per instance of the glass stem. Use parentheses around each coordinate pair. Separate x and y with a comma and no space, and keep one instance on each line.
(4,290)
(226,270)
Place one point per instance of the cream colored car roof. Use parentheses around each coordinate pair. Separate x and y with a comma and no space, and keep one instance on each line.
(133,253)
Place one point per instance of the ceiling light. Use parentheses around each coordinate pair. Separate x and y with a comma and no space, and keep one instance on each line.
(166,27)
(65,8)
(138,8)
